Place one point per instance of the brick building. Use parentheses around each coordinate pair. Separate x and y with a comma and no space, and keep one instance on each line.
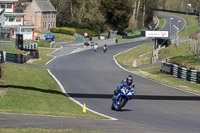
(41,14)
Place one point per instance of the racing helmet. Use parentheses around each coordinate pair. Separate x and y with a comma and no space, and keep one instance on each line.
(129,79)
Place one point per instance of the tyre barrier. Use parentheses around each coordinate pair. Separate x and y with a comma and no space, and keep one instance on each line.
(2,55)
(17,58)
(180,72)
(30,46)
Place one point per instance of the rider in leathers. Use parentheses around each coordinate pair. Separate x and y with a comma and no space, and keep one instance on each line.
(128,83)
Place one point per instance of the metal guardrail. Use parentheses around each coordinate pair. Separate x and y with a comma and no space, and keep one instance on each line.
(180,12)
(180,72)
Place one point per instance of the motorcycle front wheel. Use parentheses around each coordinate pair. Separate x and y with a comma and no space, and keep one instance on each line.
(120,103)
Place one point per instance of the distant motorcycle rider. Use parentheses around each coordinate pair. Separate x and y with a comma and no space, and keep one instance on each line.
(105,48)
(128,83)
(95,47)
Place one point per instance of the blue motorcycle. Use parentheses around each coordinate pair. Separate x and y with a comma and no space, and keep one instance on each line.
(121,98)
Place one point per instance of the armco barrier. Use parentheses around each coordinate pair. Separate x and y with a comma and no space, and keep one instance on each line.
(180,72)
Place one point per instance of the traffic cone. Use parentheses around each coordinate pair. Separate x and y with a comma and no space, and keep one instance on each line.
(84,108)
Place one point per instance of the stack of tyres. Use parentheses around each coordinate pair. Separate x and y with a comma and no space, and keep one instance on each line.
(198,77)
(188,77)
(10,57)
(179,74)
(19,58)
(0,71)
(34,54)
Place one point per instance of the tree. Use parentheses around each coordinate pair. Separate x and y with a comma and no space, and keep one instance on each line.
(117,13)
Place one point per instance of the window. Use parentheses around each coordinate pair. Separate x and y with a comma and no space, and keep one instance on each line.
(9,6)
(11,19)
(18,19)
(49,25)
(3,6)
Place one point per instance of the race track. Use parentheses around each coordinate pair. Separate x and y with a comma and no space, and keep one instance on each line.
(91,77)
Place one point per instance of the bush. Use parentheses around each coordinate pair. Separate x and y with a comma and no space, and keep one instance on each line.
(64,30)
(90,33)
(71,31)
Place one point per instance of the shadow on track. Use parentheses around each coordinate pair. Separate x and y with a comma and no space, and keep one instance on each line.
(136,97)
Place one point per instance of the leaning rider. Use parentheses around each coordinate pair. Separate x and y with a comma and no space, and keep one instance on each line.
(128,83)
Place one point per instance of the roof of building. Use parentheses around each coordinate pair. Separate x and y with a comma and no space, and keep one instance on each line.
(8,0)
(2,11)
(45,5)
(17,26)
(14,14)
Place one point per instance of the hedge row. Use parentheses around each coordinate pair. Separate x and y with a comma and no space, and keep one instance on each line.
(64,30)
(71,31)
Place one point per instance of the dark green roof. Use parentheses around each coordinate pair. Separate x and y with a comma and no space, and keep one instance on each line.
(45,5)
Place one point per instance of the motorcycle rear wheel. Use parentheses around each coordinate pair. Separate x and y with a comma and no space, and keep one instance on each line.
(112,107)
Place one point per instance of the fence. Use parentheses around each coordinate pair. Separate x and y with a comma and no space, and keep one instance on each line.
(180,12)
(180,72)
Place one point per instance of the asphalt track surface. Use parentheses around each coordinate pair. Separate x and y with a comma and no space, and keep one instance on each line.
(91,77)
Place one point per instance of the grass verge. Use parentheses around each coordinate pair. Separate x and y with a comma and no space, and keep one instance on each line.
(136,56)
(11,50)
(155,74)
(161,23)
(43,57)
(36,130)
(33,90)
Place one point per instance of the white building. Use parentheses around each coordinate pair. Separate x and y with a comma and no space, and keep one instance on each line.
(13,23)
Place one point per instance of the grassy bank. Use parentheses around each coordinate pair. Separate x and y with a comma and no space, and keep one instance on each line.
(36,130)
(33,90)
(136,56)
(161,23)
(155,74)
(141,56)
